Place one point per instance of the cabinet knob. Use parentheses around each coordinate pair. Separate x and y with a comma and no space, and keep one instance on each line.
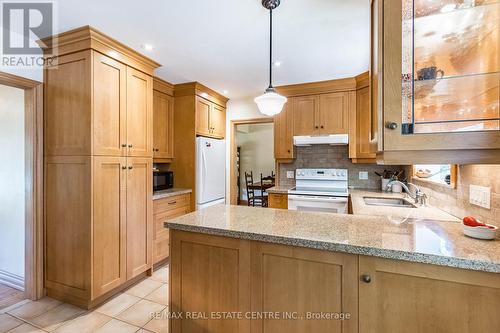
(124,145)
(124,167)
(316,127)
(322,126)
(130,146)
(366,278)
(391,125)
(130,167)
(288,150)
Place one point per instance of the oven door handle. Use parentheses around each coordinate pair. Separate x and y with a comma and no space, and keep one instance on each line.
(315,199)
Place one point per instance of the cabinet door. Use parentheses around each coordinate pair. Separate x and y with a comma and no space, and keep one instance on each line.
(109,224)
(277,200)
(364,131)
(109,107)
(218,121)
(202,116)
(163,131)
(139,113)
(421,298)
(334,113)
(215,267)
(286,279)
(305,110)
(139,215)
(283,133)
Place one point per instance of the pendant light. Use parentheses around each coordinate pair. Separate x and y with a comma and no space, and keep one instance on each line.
(271,103)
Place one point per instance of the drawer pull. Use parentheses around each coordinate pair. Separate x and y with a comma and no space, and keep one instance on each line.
(366,278)
(172,202)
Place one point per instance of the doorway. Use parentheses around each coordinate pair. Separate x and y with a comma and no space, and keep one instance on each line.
(21,223)
(252,150)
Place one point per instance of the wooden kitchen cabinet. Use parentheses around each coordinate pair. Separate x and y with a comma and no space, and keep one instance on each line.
(139,215)
(291,279)
(163,119)
(333,113)
(420,298)
(218,121)
(283,133)
(98,131)
(437,98)
(305,114)
(164,210)
(278,200)
(210,119)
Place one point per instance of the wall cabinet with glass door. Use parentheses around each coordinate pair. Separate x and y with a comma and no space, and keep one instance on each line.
(439,65)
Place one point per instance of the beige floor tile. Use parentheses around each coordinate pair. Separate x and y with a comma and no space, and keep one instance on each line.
(7,322)
(117,326)
(159,295)
(14,306)
(57,316)
(26,328)
(86,323)
(141,313)
(144,288)
(160,275)
(118,304)
(33,309)
(158,324)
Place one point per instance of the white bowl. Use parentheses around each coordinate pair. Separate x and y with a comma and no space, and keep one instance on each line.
(480,232)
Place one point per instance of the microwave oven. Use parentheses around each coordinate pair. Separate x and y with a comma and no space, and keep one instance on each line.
(163,180)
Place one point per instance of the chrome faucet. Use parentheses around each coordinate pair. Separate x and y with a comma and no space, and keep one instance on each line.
(419,197)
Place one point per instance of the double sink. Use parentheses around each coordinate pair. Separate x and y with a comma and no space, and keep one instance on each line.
(388,202)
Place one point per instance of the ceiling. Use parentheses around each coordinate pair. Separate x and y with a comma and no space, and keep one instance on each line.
(224,43)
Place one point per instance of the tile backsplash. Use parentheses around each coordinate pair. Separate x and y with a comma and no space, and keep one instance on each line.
(333,157)
(456,201)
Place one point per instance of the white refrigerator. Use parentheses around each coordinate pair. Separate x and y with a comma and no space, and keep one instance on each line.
(210,172)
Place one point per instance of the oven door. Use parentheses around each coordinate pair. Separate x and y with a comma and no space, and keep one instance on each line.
(317,203)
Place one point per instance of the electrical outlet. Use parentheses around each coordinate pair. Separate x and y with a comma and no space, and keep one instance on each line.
(480,196)
(363,175)
(290,174)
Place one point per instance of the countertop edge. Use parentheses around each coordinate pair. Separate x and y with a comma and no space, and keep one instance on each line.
(432,259)
(173,193)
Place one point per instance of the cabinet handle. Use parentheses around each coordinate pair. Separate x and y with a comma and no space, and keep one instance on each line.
(124,167)
(288,150)
(316,127)
(130,167)
(322,126)
(391,125)
(124,145)
(172,202)
(366,278)
(130,146)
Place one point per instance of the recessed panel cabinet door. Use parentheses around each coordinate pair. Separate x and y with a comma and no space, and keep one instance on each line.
(202,116)
(109,106)
(109,224)
(305,111)
(298,281)
(139,215)
(139,113)
(218,121)
(334,113)
(283,132)
(163,131)
(397,296)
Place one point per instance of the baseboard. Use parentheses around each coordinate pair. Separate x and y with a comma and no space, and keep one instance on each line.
(12,280)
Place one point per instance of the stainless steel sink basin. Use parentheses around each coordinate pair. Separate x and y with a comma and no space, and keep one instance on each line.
(388,202)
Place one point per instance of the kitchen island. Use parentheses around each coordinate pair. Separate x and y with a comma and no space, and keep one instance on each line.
(288,271)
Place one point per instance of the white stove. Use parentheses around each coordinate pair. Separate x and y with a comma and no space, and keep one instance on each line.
(323,190)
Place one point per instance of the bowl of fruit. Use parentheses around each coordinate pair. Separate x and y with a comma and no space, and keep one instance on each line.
(475,229)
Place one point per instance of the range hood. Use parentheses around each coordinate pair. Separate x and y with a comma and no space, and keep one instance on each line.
(333,140)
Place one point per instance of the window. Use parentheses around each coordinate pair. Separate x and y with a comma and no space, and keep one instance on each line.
(444,174)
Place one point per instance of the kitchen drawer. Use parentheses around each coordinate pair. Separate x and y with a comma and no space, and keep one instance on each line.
(160,249)
(171,203)
(277,200)
(161,218)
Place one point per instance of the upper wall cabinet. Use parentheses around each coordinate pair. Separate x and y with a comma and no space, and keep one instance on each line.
(163,119)
(283,133)
(440,70)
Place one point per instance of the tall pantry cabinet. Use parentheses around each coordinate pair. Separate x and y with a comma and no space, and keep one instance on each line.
(98,166)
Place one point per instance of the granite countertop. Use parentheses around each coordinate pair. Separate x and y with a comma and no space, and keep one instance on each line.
(359,207)
(170,193)
(424,241)
(279,189)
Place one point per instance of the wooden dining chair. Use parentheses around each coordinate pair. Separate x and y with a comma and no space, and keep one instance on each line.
(253,200)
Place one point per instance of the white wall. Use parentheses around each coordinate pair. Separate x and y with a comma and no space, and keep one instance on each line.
(241,109)
(12,185)
(257,151)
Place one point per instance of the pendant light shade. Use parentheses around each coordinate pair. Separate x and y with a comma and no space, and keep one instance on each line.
(271,103)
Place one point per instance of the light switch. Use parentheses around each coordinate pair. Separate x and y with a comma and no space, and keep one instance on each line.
(363,175)
(480,196)
(290,174)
